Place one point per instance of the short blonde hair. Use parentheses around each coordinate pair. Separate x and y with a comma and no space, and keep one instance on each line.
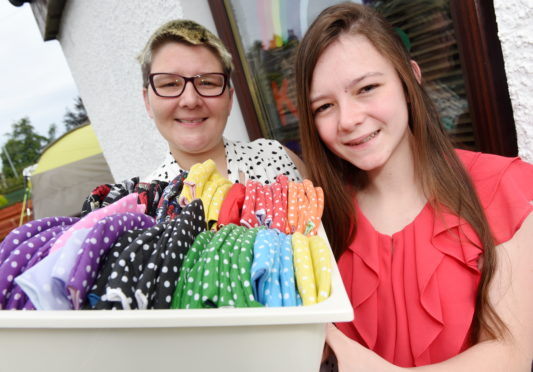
(186,32)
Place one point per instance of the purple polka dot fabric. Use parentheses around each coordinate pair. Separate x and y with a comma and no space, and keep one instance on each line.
(17,261)
(20,234)
(96,245)
(18,299)
(19,252)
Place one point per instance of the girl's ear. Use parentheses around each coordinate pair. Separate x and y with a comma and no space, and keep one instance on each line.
(416,71)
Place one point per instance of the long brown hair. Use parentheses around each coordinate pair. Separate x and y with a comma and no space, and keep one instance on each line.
(441,173)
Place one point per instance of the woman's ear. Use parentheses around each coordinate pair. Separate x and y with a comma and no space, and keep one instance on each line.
(147,103)
(416,71)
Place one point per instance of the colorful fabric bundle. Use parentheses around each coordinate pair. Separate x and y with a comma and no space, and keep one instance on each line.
(212,243)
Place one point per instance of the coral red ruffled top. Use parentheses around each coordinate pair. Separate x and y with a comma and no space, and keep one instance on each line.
(413,293)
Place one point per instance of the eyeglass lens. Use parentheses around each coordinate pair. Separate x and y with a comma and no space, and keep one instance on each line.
(172,85)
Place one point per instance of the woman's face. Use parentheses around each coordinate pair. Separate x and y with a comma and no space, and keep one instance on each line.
(359,104)
(191,124)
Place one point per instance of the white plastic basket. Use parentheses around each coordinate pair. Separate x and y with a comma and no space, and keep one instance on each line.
(243,339)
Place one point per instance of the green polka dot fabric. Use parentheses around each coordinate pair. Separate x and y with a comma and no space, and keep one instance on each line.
(185,277)
(216,270)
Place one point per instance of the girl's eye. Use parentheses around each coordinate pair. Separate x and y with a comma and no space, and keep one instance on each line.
(321,108)
(368,88)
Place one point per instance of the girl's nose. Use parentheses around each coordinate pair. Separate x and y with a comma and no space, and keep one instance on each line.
(351,114)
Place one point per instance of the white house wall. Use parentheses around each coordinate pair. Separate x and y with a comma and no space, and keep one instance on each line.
(515,30)
(101,40)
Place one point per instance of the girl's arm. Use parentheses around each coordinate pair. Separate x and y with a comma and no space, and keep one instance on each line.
(511,294)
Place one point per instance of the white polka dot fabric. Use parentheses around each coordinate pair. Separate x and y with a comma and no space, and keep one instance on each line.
(261,160)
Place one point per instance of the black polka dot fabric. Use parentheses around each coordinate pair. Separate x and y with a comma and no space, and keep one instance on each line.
(122,281)
(159,282)
(99,287)
(146,271)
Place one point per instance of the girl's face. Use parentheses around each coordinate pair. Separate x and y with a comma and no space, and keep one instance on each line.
(190,123)
(359,105)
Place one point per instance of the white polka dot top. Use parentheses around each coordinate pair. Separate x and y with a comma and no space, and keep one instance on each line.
(261,160)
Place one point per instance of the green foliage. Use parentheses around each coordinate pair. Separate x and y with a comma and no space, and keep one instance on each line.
(10,185)
(23,146)
(77,117)
(52,133)
(3,201)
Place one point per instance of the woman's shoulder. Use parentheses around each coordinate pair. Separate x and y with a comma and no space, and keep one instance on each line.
(505,188)
(166,171)
(260,143)
(262,160)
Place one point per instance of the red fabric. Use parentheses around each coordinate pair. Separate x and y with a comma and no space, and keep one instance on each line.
(248,217)
(413,293)
(231,208)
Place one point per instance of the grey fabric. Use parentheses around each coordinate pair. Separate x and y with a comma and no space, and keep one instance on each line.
(61,191)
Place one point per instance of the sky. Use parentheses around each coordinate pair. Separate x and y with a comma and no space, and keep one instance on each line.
(35,80)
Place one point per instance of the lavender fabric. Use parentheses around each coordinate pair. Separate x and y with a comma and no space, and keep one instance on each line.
(97,243)
(20,256)
(20,234)
(18,299)
(38,283)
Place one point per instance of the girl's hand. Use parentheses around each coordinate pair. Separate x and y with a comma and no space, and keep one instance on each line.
(352,357)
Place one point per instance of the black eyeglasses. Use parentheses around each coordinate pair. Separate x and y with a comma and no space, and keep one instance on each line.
(173,85)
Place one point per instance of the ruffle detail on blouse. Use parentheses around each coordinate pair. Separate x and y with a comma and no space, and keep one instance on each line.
(364,298)
(449,236)
(505,189)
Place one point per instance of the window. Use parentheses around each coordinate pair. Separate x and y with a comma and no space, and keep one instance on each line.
(454,41)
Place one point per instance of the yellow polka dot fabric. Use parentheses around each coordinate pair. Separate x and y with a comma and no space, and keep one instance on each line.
(303,269)
(193,185)
(321,265)
(216,203)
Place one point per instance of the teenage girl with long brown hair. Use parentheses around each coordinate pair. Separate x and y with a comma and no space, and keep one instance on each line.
(435,245)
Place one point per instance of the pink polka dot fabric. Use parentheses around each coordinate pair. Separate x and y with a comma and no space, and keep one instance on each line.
(126,204)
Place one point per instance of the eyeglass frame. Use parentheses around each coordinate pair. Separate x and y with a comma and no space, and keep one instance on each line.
(187,79)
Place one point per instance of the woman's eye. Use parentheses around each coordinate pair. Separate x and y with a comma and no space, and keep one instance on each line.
(321,108)
(368,88)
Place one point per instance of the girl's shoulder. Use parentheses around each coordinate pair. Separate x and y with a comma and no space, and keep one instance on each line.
(505,188)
